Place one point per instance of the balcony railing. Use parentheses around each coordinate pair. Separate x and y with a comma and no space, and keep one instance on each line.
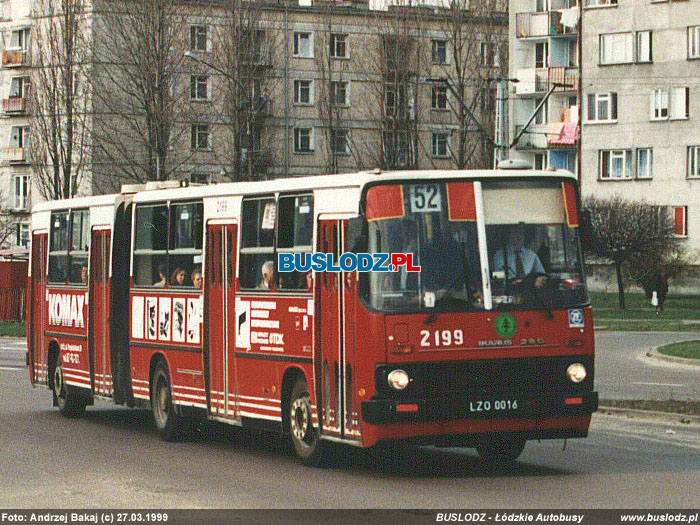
(534,138)
(540,80)
(15,155)
(14,105)
(17,58)
(548,23)
(560,135)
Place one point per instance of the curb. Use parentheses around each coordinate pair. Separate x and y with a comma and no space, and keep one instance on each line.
(655,354)
(651,415)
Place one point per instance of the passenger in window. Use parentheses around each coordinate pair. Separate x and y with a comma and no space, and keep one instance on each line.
(178,277)
(84,274)
(197,278)
(160,283)
(268,269)
(309,279)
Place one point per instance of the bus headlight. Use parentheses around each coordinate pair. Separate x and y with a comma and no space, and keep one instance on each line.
(576,372)
(398,379)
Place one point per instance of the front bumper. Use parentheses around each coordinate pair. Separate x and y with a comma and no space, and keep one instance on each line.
(526,406)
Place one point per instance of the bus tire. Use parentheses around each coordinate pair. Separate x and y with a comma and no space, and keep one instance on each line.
(305,437)
(167,421)
(69,404)
(501,451)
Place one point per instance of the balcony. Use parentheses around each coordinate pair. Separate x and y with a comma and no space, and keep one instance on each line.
(15,105)
(534,138)
(549,23)
(553,135)
(539,80)
(17,58)
(15,155)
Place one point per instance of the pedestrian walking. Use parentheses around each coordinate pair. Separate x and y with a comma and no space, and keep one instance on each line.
(659,290)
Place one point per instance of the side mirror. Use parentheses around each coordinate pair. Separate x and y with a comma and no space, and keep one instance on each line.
(586,230)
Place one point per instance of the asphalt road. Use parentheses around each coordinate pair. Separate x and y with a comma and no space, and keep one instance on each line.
(114,458)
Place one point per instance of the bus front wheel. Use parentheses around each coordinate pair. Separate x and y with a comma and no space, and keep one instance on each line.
(166,419)
(305,438)
(501,451)
(69,404)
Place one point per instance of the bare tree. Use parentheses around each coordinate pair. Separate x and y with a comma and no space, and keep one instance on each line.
(58,149)
(138,90)
(623,230)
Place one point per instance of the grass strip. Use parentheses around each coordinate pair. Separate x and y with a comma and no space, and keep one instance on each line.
(686,349)
(13,329)
(689,408)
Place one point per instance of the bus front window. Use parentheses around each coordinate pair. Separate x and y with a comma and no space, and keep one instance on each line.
(533,246)
(429,222)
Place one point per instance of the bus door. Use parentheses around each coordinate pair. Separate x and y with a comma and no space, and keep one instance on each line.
(219,364)
(37,309)
(330,393)
(98,308)
(351,407)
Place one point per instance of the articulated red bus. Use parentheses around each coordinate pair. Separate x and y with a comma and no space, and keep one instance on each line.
(171,298)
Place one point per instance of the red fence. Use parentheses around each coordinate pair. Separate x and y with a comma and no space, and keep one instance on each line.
(13,288)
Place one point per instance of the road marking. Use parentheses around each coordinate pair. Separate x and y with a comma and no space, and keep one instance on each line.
(12,367)
(660,384)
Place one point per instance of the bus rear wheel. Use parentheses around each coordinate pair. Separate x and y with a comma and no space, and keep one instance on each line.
(305,438)
(167,421)
(501,451)
(69,404)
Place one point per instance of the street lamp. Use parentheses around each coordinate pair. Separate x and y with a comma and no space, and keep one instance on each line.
(252,112)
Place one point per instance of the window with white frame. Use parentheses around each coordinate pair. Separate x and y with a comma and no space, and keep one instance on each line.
(658,109)
(303,140)
(339,141)
(487,99)
(339,45)
(600,3)
(438,51)
(20,87)
(615,164)
(694,162)
(680,103)
(19,137)
(440,145)
(21,184)
(198,38)
(303,92)
(490,55)
(645,163)
(23,234)
(200,139)
(602,107)
(303,44)
(679,215)
(438,96)
(694,42)
(644,46)
(19,39)
(397,149)
(540,161)
(339,93)
(541,116)
(617,48)
(199,87)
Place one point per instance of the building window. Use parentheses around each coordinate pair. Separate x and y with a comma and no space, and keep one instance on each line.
(21,184)
(600,3)
(694,161)
(615,164)
(439,51)
(303,92)
(339,47)
(541,54)
(680,103)
(438,97)
(20,87)
(487,99)
(625,48)
(645,163)
(644,46)
(198,38)
(339,94)
(680,220)
(200,137)
(540,161)
(19,39)
(303,140)
(659,104)
(398,152)
(490,55)
(439,145)
(198,87)
(303,44)
(339,141)
(602,107)
(694,42)
(23,234)
(541,116)
(19,137)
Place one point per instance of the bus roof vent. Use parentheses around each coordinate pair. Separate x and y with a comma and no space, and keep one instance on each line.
(165,184)
(132,188)
(511,164)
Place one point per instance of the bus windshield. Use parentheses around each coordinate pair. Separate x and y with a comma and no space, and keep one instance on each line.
(529,245)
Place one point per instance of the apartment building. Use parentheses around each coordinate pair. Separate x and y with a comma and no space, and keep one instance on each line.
(544,60)
(641,111)
(301,89)
(15,88)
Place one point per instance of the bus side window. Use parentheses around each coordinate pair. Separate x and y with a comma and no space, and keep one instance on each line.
(185,250)
(150,246)
(58,248)
(257,243)
(294,235)
(79,247)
